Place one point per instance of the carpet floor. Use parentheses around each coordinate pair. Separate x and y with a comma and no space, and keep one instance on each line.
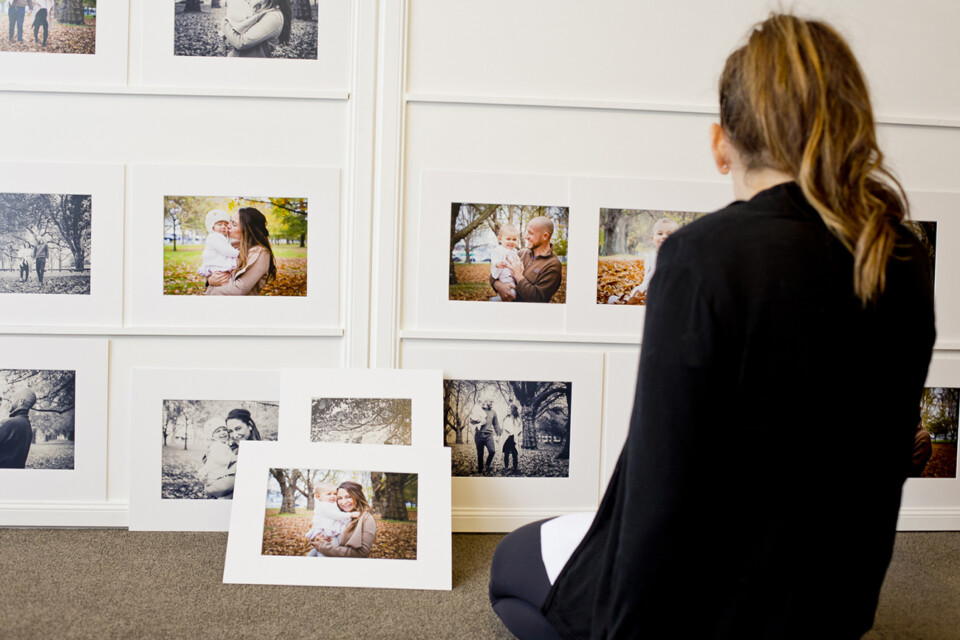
(119,584)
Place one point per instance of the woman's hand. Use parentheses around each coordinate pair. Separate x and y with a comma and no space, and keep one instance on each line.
(354,514)
(218,279)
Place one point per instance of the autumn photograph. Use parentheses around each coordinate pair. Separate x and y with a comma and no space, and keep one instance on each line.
(234,246)
(629,242)
(926,232)
(48,26)
(246,28)
(508,253)
(508,429)
(938,415)
(321,513)
(361,420)
(201,440)
(45,243)
(38,428)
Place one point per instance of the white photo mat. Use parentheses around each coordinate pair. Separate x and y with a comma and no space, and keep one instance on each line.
(147,306)
(503,503)
(87,481)
(620,378)
(106,67)
(153,62)
(103,306)
(150,387)
(424,388)
(432,568)
(944,209)
(588,195)
(430,283)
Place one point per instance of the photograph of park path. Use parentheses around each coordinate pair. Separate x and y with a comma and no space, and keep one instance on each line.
(185,235)
(938,414)
(45,243)
(52,418)
(291,502)
(474,228)
(71,27)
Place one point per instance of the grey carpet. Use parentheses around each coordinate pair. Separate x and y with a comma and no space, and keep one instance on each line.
(120,584)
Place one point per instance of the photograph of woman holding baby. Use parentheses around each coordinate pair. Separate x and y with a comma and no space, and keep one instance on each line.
(246,28)
(321,513)
(223,246)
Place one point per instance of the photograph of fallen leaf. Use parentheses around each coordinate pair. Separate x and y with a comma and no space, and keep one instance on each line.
(338,513)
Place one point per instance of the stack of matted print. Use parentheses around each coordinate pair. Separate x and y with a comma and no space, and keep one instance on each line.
(322,476)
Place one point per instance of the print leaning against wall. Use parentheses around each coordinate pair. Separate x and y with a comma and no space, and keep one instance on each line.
(48,26)
(938,416)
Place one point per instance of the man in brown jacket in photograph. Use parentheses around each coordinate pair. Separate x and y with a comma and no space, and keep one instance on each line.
(537,269)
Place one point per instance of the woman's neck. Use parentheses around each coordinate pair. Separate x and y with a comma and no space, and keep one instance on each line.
(748,183)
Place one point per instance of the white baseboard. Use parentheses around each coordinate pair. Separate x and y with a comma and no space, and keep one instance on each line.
(65,514)
(500,520)
(919,519)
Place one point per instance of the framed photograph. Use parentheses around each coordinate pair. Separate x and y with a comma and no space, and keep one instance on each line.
(204,258)
(625,221)
(61,244)
(934,220)
(54,427)
(375,516)
(187,425)
(273,45)
(361,406)
(470,224)
(63,43)
(533,415)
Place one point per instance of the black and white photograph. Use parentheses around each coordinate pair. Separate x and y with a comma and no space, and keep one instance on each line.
(508,428)
(361,420)
(38,426)
(246,28)
(201,440)
(45,243)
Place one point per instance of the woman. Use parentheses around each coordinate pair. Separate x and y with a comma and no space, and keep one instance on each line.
(219,463)
(798,315)
(259,39)
(357,537)
(512,426)
(255,265)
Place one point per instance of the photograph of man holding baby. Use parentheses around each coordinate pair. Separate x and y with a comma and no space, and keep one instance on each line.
(629,242)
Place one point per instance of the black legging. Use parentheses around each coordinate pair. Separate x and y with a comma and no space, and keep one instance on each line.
(519,584)
(510,448)
(40,20)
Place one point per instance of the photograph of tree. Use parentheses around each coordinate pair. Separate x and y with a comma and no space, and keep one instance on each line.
(361,420)
(353,514)
(246,28)
(498,428)
(41,401)
(200,443)
(938,414)
(629,241)
(49,26)
(45,243)
(188,242)
(927,233)
(484,237)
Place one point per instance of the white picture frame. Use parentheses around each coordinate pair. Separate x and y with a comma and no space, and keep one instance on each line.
(503,503)
(942,207)
(620,376)
(87,481)
(147,306)
(154,64)
(107,67)
(149,511)
(103,306)
(424,389)
(432,568)
(586,317)
(428,284)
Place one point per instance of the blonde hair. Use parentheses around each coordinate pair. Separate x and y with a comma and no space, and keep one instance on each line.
(322,488)
(794,99)
(508,228)
(662,222)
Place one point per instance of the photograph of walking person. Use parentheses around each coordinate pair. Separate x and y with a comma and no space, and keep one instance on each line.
(48,26)
(498,428)
(234,246)
(508,253)
(361,420)
(937,441)
(45,243)
(320,513)
(246,28)
(629,242)
(37,418)
(201,439)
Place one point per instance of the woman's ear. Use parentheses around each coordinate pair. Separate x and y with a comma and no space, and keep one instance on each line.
(720,147)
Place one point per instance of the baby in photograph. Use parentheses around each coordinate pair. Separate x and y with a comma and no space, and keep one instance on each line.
(218,254)
(328,520)
(241,15)
(507,244)
(662,229)
(219,465)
